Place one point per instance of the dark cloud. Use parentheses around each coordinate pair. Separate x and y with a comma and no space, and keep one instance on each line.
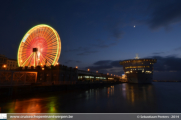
(91,49)
(178,49)
(118,34)
(82,51)
(87,52)
(167,75)
(75,50)
(113,25)
(104,43)
(103,63)
(107,63)
(157,53)
(72,61)
(169,63)
(107,66)
(164,13)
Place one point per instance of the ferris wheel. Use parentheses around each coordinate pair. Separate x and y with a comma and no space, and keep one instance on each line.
(41,45)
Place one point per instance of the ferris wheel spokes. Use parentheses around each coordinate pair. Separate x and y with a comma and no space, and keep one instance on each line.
(30,61)
(27,59)
(46,59)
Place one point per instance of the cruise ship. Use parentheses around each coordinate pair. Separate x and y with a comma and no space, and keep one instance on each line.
(138,70)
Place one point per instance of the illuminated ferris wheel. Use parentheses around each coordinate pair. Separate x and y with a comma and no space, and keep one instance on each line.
(41,45)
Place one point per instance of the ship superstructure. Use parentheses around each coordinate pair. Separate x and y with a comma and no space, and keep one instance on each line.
(139,70)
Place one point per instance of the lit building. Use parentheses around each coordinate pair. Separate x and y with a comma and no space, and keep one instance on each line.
(7,64)
(12,64)
(138,70)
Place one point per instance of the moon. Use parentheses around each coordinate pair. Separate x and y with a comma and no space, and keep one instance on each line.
(134,26)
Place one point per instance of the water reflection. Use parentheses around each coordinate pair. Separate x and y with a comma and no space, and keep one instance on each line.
(140,95)
(33,105)
(122,98)
(136,92)
(110,91)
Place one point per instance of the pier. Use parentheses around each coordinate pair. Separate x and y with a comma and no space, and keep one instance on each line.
(42,79)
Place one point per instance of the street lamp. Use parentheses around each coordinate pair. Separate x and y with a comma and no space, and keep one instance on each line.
(4,66)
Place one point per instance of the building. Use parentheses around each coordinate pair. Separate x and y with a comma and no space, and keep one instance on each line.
(138,70)
(7,64)
(3,62)
(12,64)
(89,76)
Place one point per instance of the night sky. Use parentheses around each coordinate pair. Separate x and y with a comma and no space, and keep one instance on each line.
(97,34)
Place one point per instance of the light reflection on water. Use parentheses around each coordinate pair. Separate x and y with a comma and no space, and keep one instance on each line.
(121,98)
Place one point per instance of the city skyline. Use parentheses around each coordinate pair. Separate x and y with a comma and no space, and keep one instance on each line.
(99,34)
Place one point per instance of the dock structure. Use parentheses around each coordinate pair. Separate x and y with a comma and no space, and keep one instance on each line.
(52,75)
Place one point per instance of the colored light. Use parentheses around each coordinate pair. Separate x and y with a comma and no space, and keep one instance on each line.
(48,42)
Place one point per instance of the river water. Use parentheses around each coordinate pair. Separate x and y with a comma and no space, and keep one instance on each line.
(158,97)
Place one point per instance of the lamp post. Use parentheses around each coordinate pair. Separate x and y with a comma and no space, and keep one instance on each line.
(4,66)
